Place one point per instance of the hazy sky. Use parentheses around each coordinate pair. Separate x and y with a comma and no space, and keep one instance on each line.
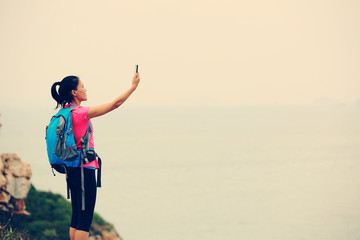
(189,52)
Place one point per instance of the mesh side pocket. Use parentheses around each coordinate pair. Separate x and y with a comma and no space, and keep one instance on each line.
(61,150)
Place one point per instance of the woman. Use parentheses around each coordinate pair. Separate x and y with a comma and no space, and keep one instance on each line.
(73,92)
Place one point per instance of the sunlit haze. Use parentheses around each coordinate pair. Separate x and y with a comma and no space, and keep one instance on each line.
(189,52)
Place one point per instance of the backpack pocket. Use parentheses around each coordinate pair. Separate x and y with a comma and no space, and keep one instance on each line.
(66,153)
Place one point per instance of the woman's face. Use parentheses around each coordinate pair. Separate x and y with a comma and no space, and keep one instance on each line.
(80,92)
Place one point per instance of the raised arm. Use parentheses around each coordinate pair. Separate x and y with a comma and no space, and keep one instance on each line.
(108,107)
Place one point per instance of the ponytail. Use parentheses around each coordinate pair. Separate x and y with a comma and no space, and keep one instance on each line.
(55,94)
(64,95)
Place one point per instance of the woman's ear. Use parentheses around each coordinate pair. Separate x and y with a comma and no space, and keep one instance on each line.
(73,92)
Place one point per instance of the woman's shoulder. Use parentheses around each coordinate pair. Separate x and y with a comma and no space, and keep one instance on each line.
(80,111)
(80,108)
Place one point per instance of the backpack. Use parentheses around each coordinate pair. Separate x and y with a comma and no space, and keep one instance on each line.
(62,151)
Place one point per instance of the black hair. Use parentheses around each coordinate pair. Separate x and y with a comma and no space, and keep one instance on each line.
(64,96)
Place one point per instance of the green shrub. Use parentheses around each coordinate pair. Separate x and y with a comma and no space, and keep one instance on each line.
(50,218)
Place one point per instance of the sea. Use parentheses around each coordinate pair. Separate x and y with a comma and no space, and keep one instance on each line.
(213,172)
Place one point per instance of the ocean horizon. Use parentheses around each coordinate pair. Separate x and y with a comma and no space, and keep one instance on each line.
(236,172)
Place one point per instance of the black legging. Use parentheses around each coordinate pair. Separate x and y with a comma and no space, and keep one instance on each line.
(81,220)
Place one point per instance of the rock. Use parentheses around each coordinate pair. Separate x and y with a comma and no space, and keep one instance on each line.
(14,183)
(19,207)
(112,235)
(2,178)
(18,187)
(103,232)
(16,166)
(96,237)
(4,197)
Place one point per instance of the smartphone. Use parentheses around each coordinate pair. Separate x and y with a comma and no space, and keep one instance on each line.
(136,68)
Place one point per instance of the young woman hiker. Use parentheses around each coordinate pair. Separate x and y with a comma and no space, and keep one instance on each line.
(72,92)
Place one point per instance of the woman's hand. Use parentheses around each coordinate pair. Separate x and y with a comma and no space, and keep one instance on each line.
(136,80)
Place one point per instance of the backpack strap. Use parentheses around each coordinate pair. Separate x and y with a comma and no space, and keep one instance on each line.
(82,187)
(67,182)
(72,107)
(85,143)
(85,148)
(98,179)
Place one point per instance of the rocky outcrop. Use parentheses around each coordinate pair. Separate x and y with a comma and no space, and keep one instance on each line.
(14,183)
(105,235)
(110,235)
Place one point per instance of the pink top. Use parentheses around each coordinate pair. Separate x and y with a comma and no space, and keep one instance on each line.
(80,125)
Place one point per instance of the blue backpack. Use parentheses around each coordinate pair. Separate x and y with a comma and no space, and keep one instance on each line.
(62,150)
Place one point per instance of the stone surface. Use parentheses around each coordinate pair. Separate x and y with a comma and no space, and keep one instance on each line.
(96,237)
(3,181)
(112,235)
(18,187)
(4,197)
(16,166)
(15,183)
